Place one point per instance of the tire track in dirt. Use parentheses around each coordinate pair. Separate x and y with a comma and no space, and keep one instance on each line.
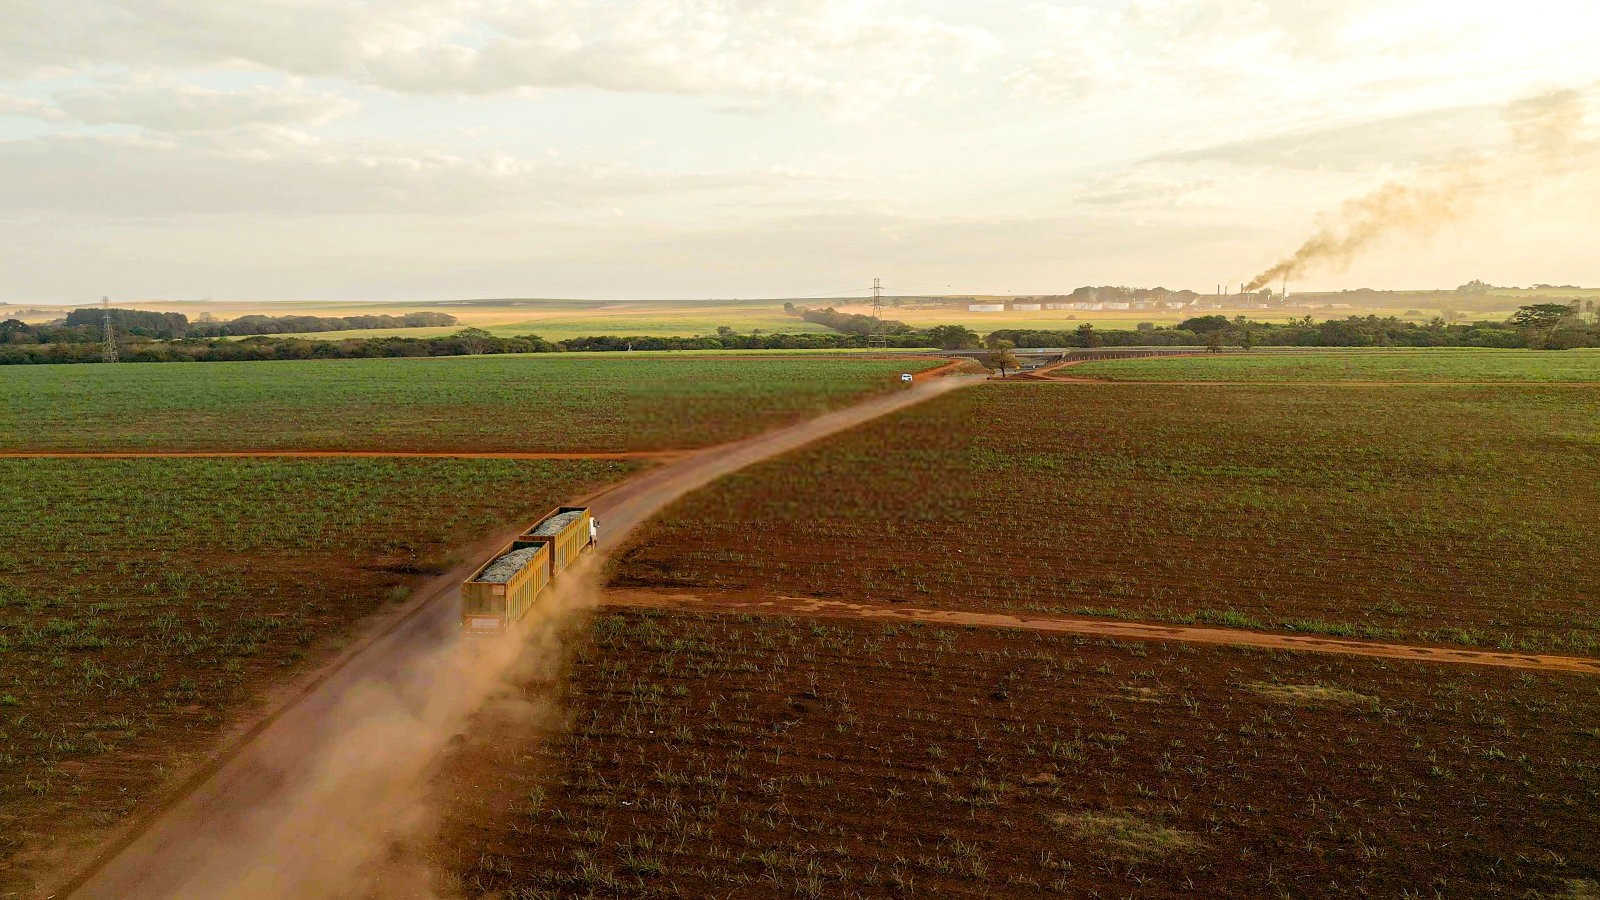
(781,605)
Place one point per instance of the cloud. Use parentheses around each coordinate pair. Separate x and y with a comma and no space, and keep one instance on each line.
(809,48)
(1426,136)
(269,173)
(1316,53)
(29,108)
(166,106)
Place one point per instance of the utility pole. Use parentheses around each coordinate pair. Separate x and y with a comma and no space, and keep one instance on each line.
(877,338)
(108,346)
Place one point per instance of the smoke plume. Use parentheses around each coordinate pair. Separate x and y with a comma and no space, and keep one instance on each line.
(1545,141)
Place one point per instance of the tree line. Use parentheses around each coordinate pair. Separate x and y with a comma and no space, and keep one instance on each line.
(84,325)
(1545,326)
(470,341)
(1540,326)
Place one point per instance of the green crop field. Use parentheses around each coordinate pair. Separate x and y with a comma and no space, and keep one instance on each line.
(1287,365)
(145,600)
(714,756)
(1460,514)
(546,402)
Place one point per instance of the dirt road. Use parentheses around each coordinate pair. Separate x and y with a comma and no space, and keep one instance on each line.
(1194,634)
(304,802)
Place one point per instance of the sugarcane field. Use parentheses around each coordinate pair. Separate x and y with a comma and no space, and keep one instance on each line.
(702,450)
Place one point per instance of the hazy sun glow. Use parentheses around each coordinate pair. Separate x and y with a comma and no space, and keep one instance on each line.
(693,148)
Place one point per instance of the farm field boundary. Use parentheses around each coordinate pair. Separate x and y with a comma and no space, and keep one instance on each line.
(1084,379)
(814,607)
(658,455)
(1048,374)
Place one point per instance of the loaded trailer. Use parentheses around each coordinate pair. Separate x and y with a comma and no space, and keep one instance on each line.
(503,589)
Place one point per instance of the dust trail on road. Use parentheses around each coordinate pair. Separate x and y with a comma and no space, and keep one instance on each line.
(331,797)
(783,605)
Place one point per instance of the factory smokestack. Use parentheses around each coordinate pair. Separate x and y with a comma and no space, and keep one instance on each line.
(1545,142)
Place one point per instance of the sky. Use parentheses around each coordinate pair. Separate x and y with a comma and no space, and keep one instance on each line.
(439,149)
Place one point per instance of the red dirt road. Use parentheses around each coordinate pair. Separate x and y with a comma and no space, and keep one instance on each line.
(306,801)
(1194,634)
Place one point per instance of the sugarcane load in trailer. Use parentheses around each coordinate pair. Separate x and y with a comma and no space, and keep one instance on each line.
(503,589)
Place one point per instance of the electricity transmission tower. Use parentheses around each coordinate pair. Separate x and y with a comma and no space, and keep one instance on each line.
(108,347)
(877,338)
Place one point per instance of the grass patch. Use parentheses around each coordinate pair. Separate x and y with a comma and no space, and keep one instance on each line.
(1311,694)
(1129,836)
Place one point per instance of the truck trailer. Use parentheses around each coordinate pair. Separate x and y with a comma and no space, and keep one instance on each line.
(510,583)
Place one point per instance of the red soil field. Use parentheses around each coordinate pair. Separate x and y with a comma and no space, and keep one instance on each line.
(1458,515)
(137,625)
(728,755)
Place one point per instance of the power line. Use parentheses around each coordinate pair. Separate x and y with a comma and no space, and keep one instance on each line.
(877,338)
(108,347)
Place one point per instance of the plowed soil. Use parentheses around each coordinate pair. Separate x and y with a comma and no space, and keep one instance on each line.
(735,756)
(1452,515)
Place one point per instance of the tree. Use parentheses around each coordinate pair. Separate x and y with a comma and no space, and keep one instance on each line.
(1214,342)
(1087,337)
(1541,315)
(953,337)
(1540,320)
(724,331)
(1203,324)
(1004,359)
